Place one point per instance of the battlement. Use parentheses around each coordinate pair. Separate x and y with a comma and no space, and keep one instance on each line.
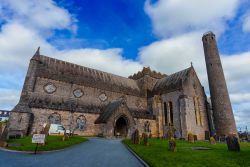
(147,71)
(208,36)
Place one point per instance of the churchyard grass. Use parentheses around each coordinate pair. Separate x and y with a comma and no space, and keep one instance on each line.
(52,143)
(158,155)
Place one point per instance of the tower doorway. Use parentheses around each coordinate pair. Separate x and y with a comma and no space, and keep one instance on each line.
(121,127)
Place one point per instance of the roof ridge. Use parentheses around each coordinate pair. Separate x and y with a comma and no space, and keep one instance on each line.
(77,65)
(186,69)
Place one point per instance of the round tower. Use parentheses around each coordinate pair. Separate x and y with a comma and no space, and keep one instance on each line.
(222,109)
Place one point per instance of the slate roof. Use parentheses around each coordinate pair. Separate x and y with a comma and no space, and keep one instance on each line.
(173,81)
(64,71)
(113,106)
(109,110)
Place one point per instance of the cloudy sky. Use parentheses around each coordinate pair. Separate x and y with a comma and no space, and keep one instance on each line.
(123,36)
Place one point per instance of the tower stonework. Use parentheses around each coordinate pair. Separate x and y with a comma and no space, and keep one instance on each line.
(222,109)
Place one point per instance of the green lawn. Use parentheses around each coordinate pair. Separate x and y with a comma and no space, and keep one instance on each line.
(52,143)
(157,154)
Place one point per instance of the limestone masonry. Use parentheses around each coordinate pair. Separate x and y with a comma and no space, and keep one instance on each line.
(95,103)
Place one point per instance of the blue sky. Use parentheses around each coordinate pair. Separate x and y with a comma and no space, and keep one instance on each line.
(113,24)
(123,36)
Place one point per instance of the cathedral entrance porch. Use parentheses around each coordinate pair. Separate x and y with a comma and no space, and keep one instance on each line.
(121,127)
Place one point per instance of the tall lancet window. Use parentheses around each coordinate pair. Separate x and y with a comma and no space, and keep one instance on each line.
(171,113)
(199,109)
(198,117)
(166,113)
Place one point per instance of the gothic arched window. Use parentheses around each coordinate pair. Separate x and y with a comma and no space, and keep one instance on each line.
(81,123)
(170,105)
(54,118)
(166,113)
(198,116)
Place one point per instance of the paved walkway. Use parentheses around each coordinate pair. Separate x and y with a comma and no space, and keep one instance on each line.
(96,152)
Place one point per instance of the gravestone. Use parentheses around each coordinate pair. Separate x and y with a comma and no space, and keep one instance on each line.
(145,139)
(135,138)
(212,141)
(195,137)
(172,145)
(233,143)
(207,135)
(46,129)
(170,133)
(190,137)
(65,136)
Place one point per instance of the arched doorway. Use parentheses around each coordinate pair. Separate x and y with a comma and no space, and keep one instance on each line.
(121,127)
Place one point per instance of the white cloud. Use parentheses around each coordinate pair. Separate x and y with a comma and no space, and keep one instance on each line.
(23,32)
(180,24)
(8,98)
(239,97)
(237,72)
(242,114)
(109,60)
(43,14)
(175,54)
(171,17)
(17,45)
(246,22)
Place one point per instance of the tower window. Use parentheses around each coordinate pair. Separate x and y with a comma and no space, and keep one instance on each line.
(170,104)
(196,110)
(166,113)
(200,118)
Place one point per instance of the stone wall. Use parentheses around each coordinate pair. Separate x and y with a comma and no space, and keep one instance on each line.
(193,89)
(184,117)
(90,95)
(174,98)
(20,122)
(68,119)
(140,126)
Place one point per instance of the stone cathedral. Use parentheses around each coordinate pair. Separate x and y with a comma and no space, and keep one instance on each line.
(96,103)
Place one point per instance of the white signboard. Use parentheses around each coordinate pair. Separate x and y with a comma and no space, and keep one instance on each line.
(38,138)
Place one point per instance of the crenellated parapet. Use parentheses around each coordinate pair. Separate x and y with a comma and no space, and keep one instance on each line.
(149,72)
